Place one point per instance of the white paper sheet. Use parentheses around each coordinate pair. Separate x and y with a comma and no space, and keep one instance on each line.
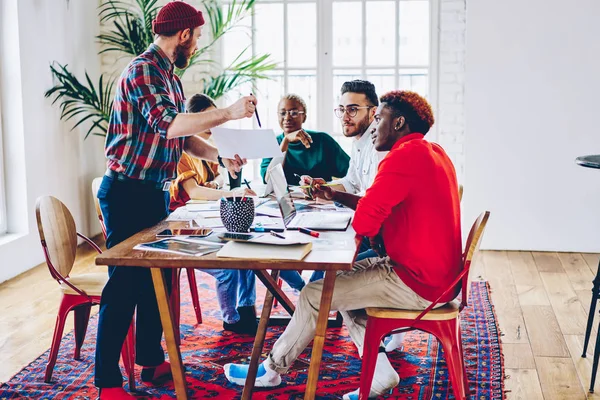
(247,143)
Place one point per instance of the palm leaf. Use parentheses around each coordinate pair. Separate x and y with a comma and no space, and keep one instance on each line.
(82,102)
(130,34)
(237,74)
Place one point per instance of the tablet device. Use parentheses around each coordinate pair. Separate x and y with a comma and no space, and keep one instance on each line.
(238,237)
(193,232)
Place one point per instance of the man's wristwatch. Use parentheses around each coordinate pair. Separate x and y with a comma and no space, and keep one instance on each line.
(220,160)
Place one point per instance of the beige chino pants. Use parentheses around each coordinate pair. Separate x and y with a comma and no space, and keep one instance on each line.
(371,283)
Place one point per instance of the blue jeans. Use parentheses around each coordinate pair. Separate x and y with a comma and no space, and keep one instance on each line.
(127,208)
(364,251)
(235,288)
(292,278)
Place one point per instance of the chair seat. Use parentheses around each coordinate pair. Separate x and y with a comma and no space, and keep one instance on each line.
(92,283)
(445,312)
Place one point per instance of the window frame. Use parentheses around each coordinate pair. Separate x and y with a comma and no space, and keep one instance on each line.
(325,99)
(3,208)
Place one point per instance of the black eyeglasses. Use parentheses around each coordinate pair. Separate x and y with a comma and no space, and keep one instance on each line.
(293,113)
(351,110)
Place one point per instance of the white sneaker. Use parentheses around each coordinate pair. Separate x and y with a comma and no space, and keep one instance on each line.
(395,342)
(265,377)
(384,379)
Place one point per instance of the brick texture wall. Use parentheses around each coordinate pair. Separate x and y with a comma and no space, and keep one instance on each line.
(451,101)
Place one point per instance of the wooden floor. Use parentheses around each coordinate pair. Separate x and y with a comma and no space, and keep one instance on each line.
(541,300)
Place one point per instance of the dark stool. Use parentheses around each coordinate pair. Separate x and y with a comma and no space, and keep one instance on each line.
(592,161)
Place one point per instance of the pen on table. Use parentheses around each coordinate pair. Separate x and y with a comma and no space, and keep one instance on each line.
(309,232)
(256,113)
(247,184)
(261,229)
(280,236)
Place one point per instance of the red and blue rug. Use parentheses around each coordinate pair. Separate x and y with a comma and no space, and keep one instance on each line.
(206,348)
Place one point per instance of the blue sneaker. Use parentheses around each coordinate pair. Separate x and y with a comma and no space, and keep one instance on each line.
(237,373)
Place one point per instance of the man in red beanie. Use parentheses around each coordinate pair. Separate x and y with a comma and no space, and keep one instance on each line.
(147,133)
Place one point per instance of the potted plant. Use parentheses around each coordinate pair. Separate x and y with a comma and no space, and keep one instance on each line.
(129,35)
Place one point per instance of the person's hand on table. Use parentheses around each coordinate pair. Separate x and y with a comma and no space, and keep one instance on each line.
(299,136)
(324,192)
(306,180)
(211,185)
(234,165)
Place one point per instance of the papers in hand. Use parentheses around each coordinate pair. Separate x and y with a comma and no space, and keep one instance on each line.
(178,246)
(247,143)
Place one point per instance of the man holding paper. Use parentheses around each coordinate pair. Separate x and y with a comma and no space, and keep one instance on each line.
(148,130)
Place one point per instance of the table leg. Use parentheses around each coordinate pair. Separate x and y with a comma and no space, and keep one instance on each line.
(259,339)
(319,341)
(273,287)
(166,318)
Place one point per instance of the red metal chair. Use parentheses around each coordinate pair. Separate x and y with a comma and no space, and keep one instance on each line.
(442,322)
(58,236)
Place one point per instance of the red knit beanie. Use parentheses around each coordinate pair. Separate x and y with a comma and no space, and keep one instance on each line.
(176,16)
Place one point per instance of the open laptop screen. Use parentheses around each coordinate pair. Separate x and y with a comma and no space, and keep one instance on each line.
(282,194)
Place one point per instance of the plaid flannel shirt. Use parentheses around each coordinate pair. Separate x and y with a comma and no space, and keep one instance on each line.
(147,99)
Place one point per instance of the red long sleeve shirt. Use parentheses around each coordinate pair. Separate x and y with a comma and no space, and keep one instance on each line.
(414,198)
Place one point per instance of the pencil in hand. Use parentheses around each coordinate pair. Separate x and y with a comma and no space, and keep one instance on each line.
(320,184)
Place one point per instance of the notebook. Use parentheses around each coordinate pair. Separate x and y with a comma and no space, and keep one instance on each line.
(258,251)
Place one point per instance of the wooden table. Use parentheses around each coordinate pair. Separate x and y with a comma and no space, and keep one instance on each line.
(328,259)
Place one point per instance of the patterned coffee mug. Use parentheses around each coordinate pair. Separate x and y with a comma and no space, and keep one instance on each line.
(237,213)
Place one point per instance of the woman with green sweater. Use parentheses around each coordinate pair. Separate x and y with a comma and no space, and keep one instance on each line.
(308,152)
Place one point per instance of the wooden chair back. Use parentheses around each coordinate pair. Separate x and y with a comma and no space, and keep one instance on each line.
(471,250)
(460,192)
(58,235)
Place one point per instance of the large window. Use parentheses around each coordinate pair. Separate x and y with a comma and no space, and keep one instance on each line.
(320,44)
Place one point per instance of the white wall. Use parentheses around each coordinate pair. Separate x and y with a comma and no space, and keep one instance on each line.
(532,101)
(42,155)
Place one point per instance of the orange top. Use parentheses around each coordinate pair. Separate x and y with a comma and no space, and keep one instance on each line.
(189,167)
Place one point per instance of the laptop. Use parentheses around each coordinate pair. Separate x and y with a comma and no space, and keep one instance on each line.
(321,220)
(274,162)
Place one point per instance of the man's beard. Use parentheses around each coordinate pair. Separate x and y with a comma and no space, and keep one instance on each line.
(183,54)
(361,127)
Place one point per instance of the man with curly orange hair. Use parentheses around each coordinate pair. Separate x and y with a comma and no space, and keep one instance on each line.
(412,210)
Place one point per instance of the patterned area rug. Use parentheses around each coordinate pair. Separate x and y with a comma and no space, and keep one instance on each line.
(205,348)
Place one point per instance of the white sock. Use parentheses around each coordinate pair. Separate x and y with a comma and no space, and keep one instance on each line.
(395,342)
(384,379)
(271,373)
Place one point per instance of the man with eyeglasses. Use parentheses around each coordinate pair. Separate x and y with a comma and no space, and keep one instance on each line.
(356,110)
(357,106)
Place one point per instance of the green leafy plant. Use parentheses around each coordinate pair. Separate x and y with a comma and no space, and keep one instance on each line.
(129,35)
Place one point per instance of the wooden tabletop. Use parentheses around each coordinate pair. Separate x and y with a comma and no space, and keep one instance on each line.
(338,256)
